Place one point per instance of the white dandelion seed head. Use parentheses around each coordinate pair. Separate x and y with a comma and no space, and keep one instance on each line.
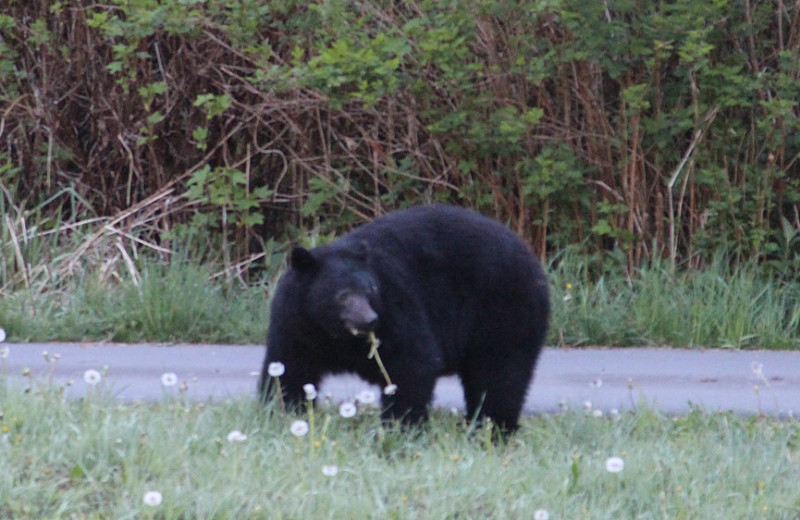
(310,390)
(92,377)
(347,409)
(587,405)
(613,412)
(236,437)
(169,379)
(2,334)
(276,369)
(153,498)
(366,396)
(597,413)
(567,297)
(329,470)
(541,514)
(757,367)
(299,428)
(390,389)
(615,464)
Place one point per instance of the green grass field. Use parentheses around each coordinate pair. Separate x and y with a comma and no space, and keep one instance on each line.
(93,458)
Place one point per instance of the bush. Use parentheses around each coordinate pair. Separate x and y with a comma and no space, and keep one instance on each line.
(661,128)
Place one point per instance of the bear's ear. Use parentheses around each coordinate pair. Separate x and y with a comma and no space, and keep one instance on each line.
(302,259)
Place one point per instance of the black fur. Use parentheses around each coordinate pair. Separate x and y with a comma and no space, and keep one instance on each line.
(454,293)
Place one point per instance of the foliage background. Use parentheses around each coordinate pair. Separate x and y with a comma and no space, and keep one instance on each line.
(622,129)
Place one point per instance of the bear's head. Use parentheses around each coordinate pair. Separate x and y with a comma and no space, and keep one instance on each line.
(341,292)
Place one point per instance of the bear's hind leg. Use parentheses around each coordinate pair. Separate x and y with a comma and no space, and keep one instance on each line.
(497,391)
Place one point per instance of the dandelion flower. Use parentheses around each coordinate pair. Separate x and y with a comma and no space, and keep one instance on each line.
(347,410)
(276,369)
(367,397)
(92,377)
(615,464)
(390,389)
(299,428)
(310,390)
(153,498)
(541,514)
(330,470)
(2,334)
(169,379)
(236,437)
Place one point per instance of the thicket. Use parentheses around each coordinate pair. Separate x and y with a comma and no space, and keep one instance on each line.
(645,129)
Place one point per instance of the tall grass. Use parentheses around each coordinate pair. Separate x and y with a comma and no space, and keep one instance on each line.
(94,281)
(93,459)
(721,306)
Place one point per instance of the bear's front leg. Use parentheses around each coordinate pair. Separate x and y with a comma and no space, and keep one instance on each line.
(410,401)
(296,374)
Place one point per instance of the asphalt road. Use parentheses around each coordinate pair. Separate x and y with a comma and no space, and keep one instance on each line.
(671,380)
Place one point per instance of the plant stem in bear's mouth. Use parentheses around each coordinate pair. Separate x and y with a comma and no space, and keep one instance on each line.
(374,343)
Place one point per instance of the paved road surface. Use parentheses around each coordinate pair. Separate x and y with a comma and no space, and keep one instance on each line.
(666,379)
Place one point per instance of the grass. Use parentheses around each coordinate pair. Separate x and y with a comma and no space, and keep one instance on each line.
(93,459)
(720,306)
(180,302)
(92,281)
(169,303)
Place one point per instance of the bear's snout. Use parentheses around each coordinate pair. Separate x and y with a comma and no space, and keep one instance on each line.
(357,314)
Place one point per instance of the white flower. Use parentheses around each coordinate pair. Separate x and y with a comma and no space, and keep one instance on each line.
(169,379)
(541,514)
(366,397)
(276,369)
(310,390)
(153,498)
(597,413)
(615,464)
(236,436)
(92,377)
(299,428)
(4,352)
(587,405)
(2,334)
(347,409)
(330,470)
(390,389)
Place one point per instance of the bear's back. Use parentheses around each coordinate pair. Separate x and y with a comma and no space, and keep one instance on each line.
(437,242)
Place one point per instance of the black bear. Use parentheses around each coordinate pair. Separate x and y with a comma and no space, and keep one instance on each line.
(445,290)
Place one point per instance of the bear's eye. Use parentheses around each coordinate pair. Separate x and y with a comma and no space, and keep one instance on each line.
(342,296)
(366,283)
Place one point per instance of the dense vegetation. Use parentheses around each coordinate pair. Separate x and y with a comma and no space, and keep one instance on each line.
(666,126)
(622,133)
